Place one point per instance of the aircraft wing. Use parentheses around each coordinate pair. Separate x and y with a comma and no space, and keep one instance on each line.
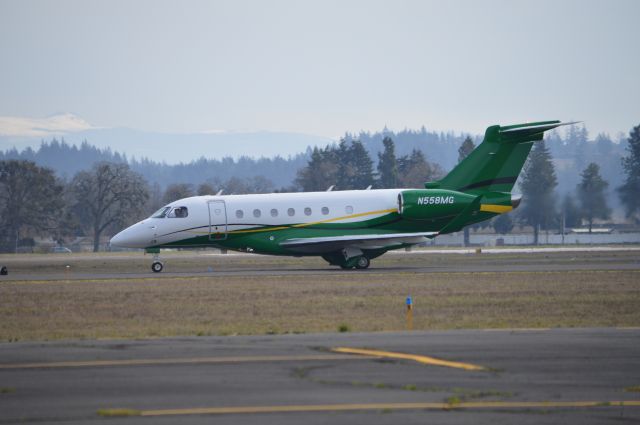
(377,241)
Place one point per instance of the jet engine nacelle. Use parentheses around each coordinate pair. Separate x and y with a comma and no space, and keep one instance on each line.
(429,204)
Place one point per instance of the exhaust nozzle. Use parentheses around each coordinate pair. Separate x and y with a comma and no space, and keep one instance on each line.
(515,201)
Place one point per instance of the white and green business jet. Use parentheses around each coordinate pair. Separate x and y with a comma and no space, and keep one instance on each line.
(347,228)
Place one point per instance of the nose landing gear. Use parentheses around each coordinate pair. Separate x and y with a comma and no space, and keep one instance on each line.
(157,264)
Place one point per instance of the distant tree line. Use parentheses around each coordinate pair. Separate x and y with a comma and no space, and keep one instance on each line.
(36,201)
(348,166)
(586,203)
(67,160)
(572,150)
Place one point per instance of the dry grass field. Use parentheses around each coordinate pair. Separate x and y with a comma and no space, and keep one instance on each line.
(144,307)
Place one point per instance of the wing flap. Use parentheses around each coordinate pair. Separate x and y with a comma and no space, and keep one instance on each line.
(377,241)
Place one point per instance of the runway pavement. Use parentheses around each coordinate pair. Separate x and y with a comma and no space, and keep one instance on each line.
(579,376)
(28,268)
(257,272)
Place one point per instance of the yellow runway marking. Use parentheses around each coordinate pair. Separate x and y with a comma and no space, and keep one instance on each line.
(196,360)
(416,358)
(514,329)
(380,406)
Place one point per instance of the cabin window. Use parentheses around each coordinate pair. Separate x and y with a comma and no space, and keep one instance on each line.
(178,212)
(274,212)
(307,211)
(291,212)
(160,213)
(239,213)
(349,209)
(257,213)
(325,210)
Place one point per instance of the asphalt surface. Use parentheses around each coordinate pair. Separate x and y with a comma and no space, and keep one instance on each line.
(302,269)
(202,264)
(257,272)
(290,379)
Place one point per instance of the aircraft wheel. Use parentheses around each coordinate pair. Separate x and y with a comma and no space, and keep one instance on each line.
(362,263)
(157,266)
(4,271)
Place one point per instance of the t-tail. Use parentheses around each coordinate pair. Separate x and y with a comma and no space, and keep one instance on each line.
(495,164)
(487,175)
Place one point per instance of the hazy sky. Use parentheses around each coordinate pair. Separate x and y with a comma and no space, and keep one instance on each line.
(322,67)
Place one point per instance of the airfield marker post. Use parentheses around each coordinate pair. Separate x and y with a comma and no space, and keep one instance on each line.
(409,303)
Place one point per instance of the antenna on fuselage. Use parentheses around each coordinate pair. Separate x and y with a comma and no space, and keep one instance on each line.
(368,187)
(331,188)
(220,192)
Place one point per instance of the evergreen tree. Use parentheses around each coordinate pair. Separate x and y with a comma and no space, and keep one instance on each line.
(465,148)
(503,224)
(576,140)
(363,166)
(355,168)
(413,170)
(591,193)
(321,171)
(570,212)
(538,183)
(345,171)
(630,191)
(387,165)
(463,151)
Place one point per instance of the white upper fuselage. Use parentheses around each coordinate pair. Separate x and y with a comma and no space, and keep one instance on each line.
(227,213)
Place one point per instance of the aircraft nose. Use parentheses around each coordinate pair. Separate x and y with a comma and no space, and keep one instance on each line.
(115,240)
(120,239)
(131,237)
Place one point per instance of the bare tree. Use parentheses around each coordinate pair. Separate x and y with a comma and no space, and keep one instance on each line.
(30,198)
(178,191)
(108,195)
(206,189)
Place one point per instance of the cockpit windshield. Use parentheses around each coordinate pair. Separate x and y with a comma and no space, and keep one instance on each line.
(160,213)
(178,212)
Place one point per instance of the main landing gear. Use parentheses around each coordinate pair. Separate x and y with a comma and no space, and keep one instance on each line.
(350,258)
(361,262)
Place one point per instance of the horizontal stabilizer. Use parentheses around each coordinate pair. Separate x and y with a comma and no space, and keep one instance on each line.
(525,131)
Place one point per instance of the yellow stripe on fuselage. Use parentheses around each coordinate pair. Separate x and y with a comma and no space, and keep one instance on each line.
(498,209)
(270,229)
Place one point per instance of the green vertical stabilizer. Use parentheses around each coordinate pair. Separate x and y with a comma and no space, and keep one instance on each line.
(496,163)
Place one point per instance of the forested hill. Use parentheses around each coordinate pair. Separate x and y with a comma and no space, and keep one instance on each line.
(441,148)
(68,159)
(572,150)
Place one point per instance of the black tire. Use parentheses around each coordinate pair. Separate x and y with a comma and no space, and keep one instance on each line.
(4,271)
(157,267)
(362,263)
